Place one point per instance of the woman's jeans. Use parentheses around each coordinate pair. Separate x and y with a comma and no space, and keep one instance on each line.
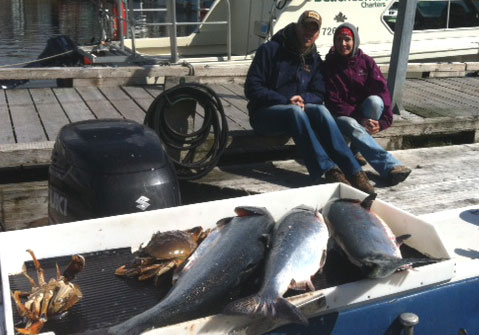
(381,160)
(314,132)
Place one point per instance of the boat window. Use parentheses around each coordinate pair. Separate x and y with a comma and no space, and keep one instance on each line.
(431,15)
(439,14)
(464,14)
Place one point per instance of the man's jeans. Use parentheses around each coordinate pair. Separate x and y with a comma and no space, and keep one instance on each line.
(314,132)
(381,160)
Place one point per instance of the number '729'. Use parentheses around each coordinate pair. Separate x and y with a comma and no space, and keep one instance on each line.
(329,30)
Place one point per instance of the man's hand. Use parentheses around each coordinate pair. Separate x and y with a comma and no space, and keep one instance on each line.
(297,100)
(372,126)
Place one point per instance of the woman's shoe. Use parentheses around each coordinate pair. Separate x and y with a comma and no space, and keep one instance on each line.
(398,174)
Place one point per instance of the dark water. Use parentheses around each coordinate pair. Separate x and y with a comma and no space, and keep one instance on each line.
(26,25)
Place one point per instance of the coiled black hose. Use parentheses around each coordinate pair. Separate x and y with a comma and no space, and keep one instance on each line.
(195,150)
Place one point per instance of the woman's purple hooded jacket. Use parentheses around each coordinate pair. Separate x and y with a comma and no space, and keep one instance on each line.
(350,80)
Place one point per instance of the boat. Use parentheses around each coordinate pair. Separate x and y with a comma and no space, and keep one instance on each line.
(445,30)
(438,298)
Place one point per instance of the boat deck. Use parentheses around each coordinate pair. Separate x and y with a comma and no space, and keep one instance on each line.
(34,116)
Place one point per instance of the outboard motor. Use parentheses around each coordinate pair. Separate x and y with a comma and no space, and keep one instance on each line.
(108,167)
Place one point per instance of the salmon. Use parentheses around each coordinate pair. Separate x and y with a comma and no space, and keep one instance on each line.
(298,252)
(365,238)
(223,261)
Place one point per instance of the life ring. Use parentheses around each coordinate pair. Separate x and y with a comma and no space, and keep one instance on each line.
(116,21)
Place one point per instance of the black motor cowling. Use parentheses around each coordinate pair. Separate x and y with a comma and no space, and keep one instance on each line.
(108,167)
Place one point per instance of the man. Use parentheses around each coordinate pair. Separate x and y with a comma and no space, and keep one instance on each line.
(286,90)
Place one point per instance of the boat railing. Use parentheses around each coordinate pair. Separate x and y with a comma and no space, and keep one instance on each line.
(172,24)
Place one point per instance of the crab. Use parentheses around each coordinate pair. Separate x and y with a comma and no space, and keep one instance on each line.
(165,252)
(48,300)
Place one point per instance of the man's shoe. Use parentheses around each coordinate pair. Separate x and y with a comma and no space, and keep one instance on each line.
(398,174)
(361,182)
(361,160)
(335,175)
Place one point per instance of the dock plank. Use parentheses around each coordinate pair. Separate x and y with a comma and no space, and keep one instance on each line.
(26,123)
(426,104)
(237,119)
(420,104)
(73,104)
(154,90)
(444,101)
(6,132)
(128,108)
(139,95)
(445,178)
(237,99)
(236,88)
(51,113)
(449,173)
(434,97)
(25,154)
(98,104)
(468,84)
(24,205)
(461,97)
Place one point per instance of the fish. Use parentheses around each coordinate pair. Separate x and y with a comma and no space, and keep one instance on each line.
(365,238)
(298,251)
(221,263)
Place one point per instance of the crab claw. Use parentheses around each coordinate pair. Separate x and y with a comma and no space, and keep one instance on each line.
(76,265)
(156,270)
(196,232)
(33,329)
(124,271)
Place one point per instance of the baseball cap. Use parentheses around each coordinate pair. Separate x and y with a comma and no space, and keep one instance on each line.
(310,16)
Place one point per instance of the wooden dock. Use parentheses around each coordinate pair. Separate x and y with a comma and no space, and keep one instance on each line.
(442,178)
(32,117)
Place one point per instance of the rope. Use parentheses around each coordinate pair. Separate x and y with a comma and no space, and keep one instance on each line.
(196,152)
(190,67)
(37,60)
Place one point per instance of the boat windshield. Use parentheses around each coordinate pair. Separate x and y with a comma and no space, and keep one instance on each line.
(439,14)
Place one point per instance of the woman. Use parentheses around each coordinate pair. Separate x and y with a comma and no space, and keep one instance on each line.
(359,98)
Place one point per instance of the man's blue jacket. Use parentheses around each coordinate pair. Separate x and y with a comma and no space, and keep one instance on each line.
(279,72)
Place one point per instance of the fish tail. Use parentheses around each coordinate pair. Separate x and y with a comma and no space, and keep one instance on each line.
(258,306)
(287,311)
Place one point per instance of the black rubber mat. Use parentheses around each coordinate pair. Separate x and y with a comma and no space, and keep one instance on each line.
(107,298)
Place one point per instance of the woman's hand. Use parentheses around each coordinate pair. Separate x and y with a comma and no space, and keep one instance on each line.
(297,100)
(372,126)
